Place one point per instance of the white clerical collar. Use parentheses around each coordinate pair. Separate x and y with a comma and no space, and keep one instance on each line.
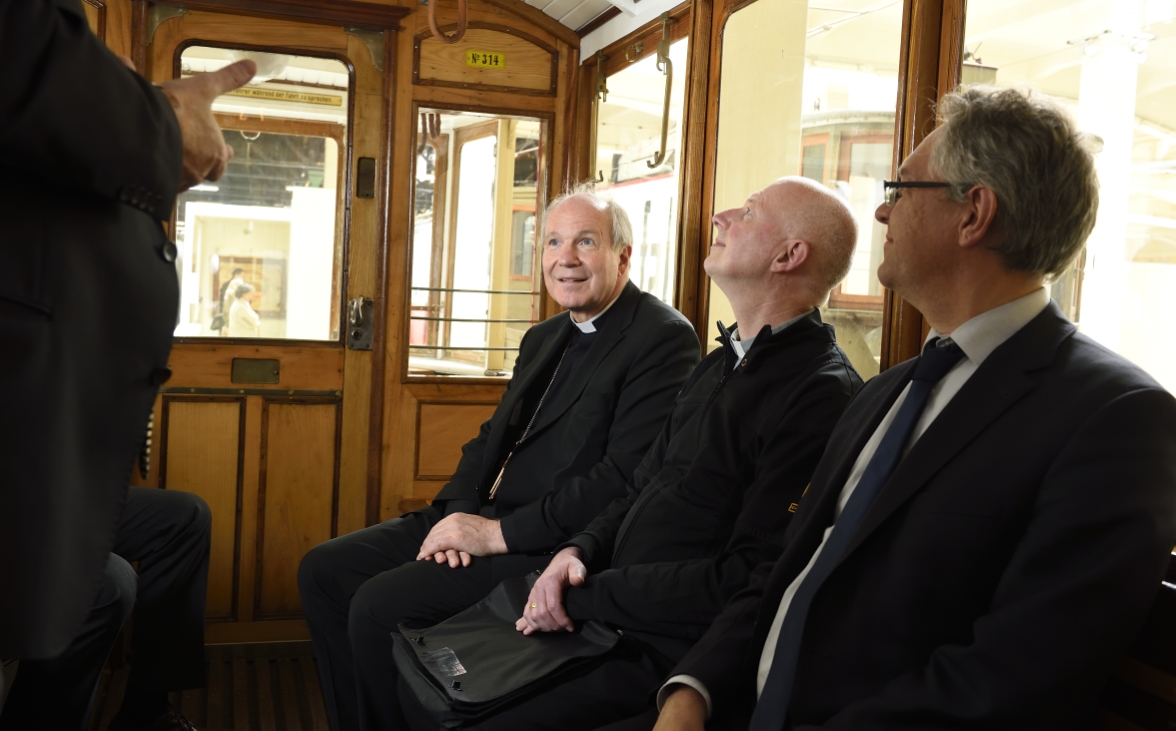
(587,326)
(985,332)
(742,346)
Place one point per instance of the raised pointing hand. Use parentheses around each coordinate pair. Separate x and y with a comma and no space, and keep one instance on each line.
(205,153)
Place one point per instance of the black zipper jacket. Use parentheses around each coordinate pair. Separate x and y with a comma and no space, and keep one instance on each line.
(712,497)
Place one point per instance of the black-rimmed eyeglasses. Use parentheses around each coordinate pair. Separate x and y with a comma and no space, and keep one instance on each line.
(891,189)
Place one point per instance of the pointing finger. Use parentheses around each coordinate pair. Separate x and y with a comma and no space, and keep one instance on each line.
(233,76)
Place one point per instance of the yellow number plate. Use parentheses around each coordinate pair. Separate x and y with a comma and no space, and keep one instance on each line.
(486,59)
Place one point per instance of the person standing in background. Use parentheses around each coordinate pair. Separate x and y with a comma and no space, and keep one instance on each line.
(243,321)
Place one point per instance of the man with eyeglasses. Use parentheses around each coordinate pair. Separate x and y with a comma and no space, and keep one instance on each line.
(991,521)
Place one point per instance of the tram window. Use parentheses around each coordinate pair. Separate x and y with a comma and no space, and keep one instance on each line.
(273,221)
(1112,65)
(628,139)
(475,277)
(812,90)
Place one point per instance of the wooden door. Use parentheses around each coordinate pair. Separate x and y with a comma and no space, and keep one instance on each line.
(270,414)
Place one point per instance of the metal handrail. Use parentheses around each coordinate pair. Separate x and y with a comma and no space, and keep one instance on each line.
(459,347)
(475,291)
(471,319)
(667,67)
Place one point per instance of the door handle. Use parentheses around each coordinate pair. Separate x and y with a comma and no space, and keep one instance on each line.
(360,317)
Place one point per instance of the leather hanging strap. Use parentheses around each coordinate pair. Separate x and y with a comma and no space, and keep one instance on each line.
(461,22)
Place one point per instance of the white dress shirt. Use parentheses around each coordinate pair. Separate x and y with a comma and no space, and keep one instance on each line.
(977,337)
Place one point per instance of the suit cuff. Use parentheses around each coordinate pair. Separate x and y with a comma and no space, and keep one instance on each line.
(510,535)
(461,506)
(587,544)
(690,680)
(525,531)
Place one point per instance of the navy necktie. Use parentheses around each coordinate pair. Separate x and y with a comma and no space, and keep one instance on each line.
(772,709)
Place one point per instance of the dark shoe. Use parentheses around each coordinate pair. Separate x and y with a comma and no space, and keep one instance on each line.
(171,720)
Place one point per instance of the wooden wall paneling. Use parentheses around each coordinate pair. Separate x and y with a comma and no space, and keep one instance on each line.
(202,442)
(951,44)
(139,36)
(483,100)
(582,162)
(246,629)
(694,209)
(918,86)
(720,11)
(443,427)
(326,12)
(298,496)
(365,255)
(118,36)
(531,67)
(384,228)
(95,11)
(396,476)
(208,365)
(246,32)
(598,21)
(412,493)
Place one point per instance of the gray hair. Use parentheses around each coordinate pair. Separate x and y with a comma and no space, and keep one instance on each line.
(622,229)
(1027,149)
(242,290)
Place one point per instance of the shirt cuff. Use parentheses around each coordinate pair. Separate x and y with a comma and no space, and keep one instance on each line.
(690,680)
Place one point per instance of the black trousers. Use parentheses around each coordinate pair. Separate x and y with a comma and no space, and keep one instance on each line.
(357,588)
(615,691)
(168,533)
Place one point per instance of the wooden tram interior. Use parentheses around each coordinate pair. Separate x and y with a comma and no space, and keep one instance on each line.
(350,403)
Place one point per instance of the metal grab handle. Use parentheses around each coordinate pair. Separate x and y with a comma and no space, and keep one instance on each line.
(600,97)
(355,312)
(461,22)
(663,58)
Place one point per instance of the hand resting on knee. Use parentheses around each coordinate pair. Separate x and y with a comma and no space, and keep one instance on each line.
(458,537)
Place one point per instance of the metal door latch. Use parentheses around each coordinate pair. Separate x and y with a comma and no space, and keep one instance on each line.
(360,314)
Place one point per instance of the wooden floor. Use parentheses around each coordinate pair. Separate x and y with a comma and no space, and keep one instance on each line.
(270,686)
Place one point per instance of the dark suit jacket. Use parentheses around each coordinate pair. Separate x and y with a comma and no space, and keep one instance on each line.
(590,436)
(89,164)
(1001,570)
(712,498)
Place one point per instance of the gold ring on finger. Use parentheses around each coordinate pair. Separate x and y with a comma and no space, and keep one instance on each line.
(534,605)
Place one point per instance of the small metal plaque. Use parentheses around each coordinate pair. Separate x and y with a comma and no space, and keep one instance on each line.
(256,370)
(486,59)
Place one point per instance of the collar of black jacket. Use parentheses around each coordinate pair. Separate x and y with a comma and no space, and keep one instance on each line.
(809,326)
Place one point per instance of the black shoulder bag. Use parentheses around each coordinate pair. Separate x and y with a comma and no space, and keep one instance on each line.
(476,663)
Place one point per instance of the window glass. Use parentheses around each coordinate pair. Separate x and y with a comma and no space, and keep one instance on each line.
(1113,64)
(475,276)
(261,248)
(812,90)
(628,139)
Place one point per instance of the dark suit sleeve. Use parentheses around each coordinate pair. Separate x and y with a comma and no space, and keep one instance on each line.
(720,659)
(73,117)
(681,598)
(648,391)
(1092,559)
(597,539)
